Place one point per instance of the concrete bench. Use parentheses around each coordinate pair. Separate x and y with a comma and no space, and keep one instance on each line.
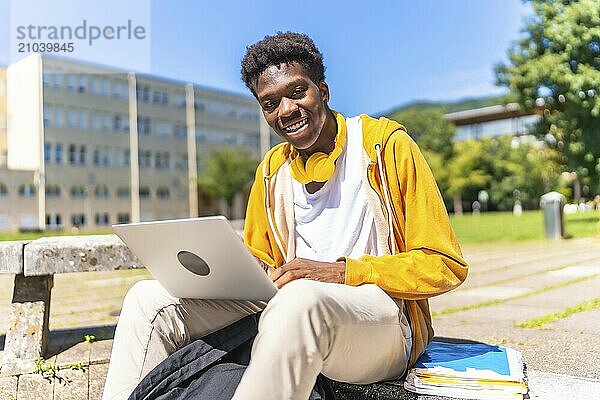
(34,264)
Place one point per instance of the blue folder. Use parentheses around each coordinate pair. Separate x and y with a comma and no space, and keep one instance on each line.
(461,356)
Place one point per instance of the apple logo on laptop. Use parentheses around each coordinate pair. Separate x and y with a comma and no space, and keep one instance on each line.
(193,263)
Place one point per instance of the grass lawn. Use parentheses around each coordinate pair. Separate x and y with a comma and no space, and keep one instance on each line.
(505,227)
(487,227)
(35,235)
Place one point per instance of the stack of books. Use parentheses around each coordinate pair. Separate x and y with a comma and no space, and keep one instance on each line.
(468,371)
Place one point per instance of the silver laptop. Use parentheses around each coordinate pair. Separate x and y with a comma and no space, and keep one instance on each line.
(199,258)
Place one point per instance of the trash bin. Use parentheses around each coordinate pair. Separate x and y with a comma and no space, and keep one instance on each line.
(552,204)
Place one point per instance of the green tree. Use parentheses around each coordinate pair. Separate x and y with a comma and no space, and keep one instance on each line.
(505,167)
(428,128)
(227,171)
(520,169)
(468,171)
(555,67)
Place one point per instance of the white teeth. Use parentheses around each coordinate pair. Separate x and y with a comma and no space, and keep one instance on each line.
(296,126)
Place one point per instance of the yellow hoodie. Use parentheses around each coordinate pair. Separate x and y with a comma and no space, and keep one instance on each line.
(424,257)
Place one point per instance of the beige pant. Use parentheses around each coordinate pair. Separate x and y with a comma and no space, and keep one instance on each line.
(350,334)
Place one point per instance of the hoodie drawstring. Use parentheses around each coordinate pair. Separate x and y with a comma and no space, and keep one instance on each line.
(386,198)
(270,218)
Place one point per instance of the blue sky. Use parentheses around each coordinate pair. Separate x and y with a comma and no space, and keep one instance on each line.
(378,54)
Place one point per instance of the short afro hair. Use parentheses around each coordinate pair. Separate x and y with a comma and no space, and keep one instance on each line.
(283,47)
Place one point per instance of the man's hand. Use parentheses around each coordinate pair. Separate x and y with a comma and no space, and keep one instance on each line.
(301,268)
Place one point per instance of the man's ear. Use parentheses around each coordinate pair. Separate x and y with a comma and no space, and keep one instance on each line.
(324,89)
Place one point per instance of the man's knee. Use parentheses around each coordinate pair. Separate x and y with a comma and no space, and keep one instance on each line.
(146,297)
(299,302)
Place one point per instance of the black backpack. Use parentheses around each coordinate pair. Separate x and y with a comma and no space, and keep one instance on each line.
(211,368)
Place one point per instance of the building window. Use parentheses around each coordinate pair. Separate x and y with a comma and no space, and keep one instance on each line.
(101,191)
(82,83)
(95,85)
(163,129)
(126,124)
(156,97)
(105,157)
(181,162)
(27,190)
(162,160)
(58,116)
(72,154)
(144,125)
(144,192)
(53,221)
(58,79)
(71,82)
(179,100)
(123,218)
(122,192)
(78,220)
(105,87)
(72,117)
(3,190)
(122,157)
(145,159)
(48,114)
(96,157)
(117,123)
(78,191)
(180,131)
(52,190)
(106,121)
(58,153)
(47,153)
(146,94)
(163,193)
(82,155)
(116,89)
(102,219)
(83,119)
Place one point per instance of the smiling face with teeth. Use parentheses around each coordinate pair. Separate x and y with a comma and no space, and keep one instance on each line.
(296,107)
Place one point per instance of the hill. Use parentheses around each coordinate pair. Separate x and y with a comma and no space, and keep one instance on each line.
(452,106)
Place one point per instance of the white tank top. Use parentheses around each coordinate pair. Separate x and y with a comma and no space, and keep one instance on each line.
(336,220)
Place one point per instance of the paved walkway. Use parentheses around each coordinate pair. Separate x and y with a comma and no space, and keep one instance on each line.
(509,284)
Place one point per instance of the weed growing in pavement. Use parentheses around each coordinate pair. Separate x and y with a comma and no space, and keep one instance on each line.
(47,370)
(537,323)
(80,366)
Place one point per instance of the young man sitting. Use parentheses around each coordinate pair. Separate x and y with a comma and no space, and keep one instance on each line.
(348,219)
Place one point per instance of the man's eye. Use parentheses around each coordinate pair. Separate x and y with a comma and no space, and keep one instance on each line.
(269,105)
(298,91)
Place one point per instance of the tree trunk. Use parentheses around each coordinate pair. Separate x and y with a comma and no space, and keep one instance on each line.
(458,209)
(576,190)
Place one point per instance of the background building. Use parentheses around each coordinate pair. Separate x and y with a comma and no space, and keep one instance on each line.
(66,133)
(492,121)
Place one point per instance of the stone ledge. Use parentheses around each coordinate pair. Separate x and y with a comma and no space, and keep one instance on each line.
(379,391)
(63,254)
(11,257)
